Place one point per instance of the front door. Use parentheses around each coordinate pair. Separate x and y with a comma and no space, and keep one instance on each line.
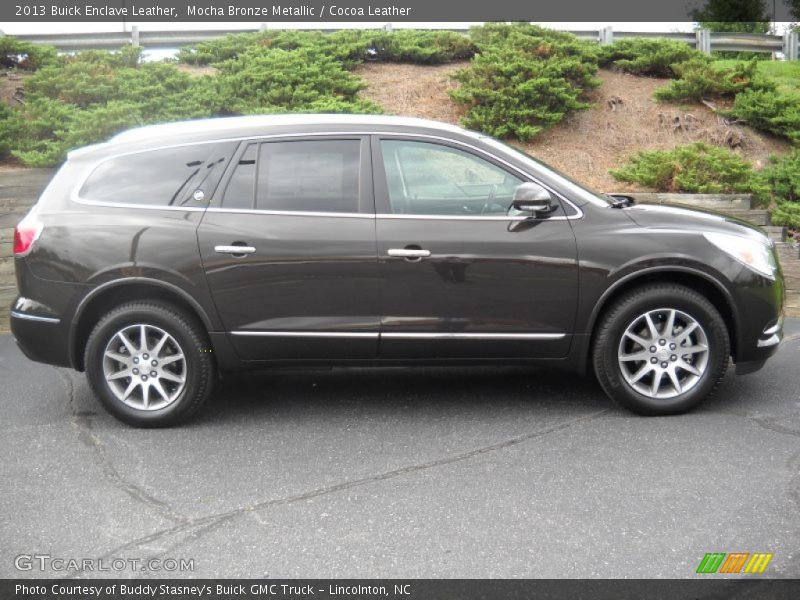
(288,248)
(462,275)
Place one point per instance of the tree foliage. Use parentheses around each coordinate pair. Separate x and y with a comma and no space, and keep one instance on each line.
(739,15)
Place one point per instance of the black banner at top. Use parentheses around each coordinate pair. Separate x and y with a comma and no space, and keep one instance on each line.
(332,11)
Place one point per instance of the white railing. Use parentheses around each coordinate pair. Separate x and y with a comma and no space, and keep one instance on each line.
(702,39)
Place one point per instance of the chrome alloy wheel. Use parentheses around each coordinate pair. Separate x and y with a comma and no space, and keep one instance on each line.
(663,353)
(144,367)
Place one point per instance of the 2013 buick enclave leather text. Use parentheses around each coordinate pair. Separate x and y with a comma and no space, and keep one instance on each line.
(175,252)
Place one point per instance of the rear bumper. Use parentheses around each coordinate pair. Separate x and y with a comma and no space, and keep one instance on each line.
(41,338)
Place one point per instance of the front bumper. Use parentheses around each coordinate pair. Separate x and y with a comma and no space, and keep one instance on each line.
(760,347)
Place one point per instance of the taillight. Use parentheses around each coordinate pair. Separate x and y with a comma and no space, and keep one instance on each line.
(26,233)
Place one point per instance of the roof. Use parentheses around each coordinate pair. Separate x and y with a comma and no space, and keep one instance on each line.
(260,124)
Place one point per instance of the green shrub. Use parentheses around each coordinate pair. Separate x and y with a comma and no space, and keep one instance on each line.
(786,213)
(695,168)
(33,132)
(645,56)
(348,45)
(419,46)
(219,49)
(774,111)
(281,80)
(24,55)
(535,40)
(699,78)
(6,116)
(93,95)
(783,177)
(525,78)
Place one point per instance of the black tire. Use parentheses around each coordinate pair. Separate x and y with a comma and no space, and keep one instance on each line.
(198,370)
(625,311)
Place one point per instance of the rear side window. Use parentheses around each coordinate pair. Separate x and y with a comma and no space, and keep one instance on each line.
(164,177)
(303,176)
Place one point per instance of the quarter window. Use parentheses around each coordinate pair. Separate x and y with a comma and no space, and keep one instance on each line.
(156,177)
(432,179)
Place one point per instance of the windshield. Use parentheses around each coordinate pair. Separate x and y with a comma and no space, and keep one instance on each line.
(579,192)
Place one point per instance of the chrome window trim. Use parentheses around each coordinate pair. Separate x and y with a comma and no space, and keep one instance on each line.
(137,206)
(27,317)
(461,217)
(405,335)
(75,197)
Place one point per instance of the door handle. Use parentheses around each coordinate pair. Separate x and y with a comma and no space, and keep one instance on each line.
(409,252)
(234,249)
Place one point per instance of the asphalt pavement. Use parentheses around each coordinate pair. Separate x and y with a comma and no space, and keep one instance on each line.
(407,473)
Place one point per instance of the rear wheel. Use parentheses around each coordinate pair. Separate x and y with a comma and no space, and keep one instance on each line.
(149,364)
(661,349)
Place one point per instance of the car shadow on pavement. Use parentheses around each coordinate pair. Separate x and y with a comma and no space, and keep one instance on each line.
(291,392)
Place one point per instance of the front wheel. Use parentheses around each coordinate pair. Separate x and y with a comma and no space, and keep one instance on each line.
(661,349)
(149,364)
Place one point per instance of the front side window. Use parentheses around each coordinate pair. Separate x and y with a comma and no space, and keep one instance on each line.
(431,179)
(155,177)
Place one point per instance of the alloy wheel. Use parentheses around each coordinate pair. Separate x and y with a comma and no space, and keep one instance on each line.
(145,367)
(663,353)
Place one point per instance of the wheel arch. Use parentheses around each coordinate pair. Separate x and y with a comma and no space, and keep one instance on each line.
(107,296)
(706,284)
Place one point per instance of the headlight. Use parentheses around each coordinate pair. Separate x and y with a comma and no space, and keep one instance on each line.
(751,252)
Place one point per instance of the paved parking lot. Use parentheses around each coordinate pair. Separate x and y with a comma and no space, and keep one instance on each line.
(490,472)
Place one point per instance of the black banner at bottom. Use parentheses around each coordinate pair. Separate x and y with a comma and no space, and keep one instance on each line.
(396,589)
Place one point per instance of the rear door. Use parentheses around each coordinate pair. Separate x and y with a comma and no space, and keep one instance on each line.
(288,248)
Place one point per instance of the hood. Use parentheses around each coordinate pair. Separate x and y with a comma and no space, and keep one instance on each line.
(665,216)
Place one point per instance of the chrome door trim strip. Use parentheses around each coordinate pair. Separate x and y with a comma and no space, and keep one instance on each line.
(471,336)
(27,317)
(405,335)
(310,334)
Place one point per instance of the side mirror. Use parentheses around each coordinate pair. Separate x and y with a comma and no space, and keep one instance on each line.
(533,198)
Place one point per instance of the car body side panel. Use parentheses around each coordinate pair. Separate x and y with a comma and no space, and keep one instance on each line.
(86,248)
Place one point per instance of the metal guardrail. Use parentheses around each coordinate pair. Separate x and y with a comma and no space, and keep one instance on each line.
(702,39)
